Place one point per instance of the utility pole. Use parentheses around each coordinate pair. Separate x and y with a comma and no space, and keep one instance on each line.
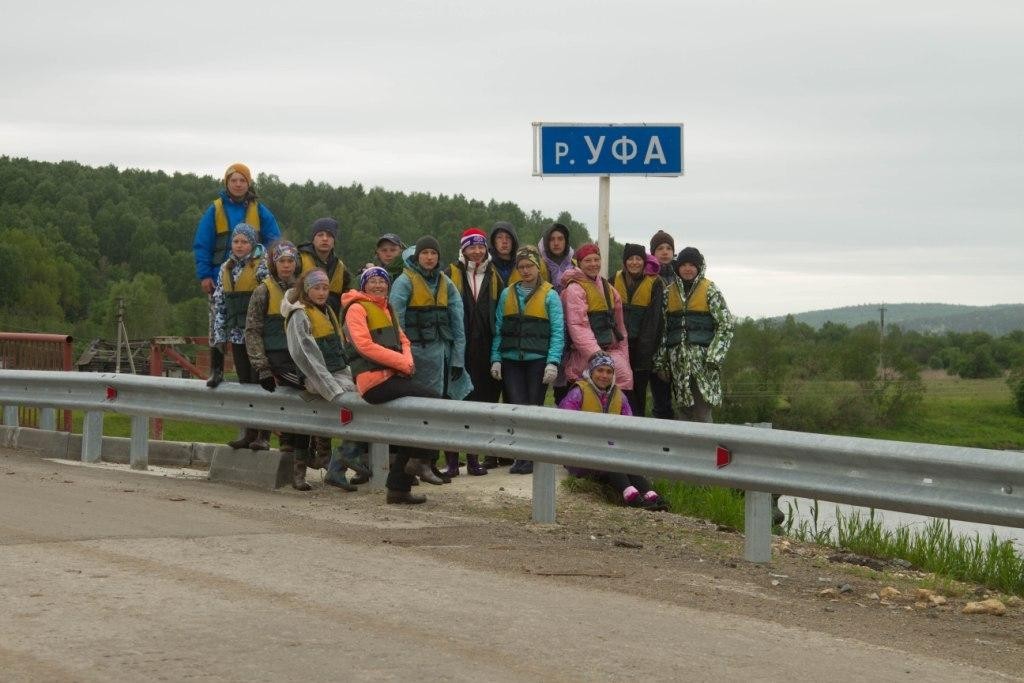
(122,338)
(881,342)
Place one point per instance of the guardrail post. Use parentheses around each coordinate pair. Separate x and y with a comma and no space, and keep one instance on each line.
(380,456)
(138,452)
(11,416)
(92,436)
(48,419)
(758,527)
(543,492)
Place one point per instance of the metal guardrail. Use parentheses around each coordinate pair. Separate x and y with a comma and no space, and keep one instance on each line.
(969,484)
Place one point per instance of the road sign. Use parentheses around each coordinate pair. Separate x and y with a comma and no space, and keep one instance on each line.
(606,149)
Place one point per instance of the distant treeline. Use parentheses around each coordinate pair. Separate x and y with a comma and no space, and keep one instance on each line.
(74,239)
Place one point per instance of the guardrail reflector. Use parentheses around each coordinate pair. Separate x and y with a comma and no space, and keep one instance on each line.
(111,393)
(346,416)
(722,457)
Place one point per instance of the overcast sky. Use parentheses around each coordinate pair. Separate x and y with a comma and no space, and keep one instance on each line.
(837,153)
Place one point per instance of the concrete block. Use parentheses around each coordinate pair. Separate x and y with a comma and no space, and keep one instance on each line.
(115,449)
(202,453)
(262,469)
(8,436)
(170,453)
(49,444)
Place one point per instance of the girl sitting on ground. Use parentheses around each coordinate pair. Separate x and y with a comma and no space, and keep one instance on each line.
(597,392)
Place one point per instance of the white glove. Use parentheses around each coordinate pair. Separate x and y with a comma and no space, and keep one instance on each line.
(496,370)
(550,373)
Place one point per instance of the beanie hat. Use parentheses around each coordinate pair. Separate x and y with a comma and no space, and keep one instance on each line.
(373,271)
(238,167)
(689,255)
(662,237)
(328,225)
(246,231)
(316,277)
(472,236)
(633,250)
(586,250)
(283,249)
(598,359)
(393,238)
(528,253)
(426,242)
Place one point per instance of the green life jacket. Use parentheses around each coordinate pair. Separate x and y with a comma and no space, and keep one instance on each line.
(222,239)
(237,293)
(600,312)
(426,316)
(384,331)
(274,338)
(527,330)
(326,333)
(634,307)
(690,318)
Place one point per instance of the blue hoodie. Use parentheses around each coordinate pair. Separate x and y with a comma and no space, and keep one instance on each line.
(207,264)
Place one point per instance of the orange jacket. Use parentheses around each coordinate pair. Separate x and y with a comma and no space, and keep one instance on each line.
(358,333)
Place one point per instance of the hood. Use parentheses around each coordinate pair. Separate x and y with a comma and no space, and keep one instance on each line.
(257,253)
(651,265)
(574,274)
(290,302)
(542,245)
(510,229)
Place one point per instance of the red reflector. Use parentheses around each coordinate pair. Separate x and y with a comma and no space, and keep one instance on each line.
(722,457)
(346,416)
(111,393)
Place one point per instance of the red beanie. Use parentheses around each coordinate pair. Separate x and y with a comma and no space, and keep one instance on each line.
(586,250)
(471,236)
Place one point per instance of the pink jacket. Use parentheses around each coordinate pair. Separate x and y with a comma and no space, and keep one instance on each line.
(577,326)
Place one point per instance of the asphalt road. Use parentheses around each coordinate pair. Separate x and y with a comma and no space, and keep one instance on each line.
(110,575)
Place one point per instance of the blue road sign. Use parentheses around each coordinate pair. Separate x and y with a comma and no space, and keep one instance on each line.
(608,149)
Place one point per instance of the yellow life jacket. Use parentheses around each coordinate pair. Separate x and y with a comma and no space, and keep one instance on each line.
(426,314)
(600,311)
(274,338)
(529,330)
(222,237)
(335,277)
(383,330)
(238,292)
(690,317)
(634,307)
(326,332)
(592,403)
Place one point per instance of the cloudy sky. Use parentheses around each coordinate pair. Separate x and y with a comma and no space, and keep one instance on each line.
(837,153)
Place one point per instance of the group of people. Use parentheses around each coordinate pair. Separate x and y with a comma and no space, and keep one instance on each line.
(502,322)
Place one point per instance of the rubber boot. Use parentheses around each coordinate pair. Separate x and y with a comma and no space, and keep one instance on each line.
(320,452)
(336,474)
(299,482)
(451,459)
(778,516)
(216,368)
(244,440)
(423,470)
(473,466)
(490,462)
(351,454)
(261,442)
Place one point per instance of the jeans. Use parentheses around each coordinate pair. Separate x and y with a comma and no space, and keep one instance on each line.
(523,380)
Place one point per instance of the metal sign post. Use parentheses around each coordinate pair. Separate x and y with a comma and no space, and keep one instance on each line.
(604,150)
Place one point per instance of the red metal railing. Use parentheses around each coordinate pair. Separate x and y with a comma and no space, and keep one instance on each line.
(30,351)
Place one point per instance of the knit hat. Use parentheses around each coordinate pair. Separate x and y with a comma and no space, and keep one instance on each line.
(246,231)
(393,238)
(633,250)
(328,225)
(598,359)
(530,254)
(689,255)
(471,236)
(237,167)
(662,237)
(283,249)
(426,242)
(316,277)
(586,250)
(373,271)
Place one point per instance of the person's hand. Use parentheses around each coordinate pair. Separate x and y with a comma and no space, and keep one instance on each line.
(455,374)
(207,285)
(496,370)
(268,383)
(550,373)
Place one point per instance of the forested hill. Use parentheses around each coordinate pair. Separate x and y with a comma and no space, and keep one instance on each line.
(936,318)
(74,238)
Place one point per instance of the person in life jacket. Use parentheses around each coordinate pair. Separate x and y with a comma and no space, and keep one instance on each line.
(642,292)
(528,339)
(697,332)
(479,286)
(239,277)
(593,319)
(318,252)
(556,254)
(429,309)
(267,345)
(381,359)
(663,248)
(596,392)
(313,334)
(236,204)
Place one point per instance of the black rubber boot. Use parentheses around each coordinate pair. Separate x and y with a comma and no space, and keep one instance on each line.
(216,368)
(261,442)
(244,440)
(299,482)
